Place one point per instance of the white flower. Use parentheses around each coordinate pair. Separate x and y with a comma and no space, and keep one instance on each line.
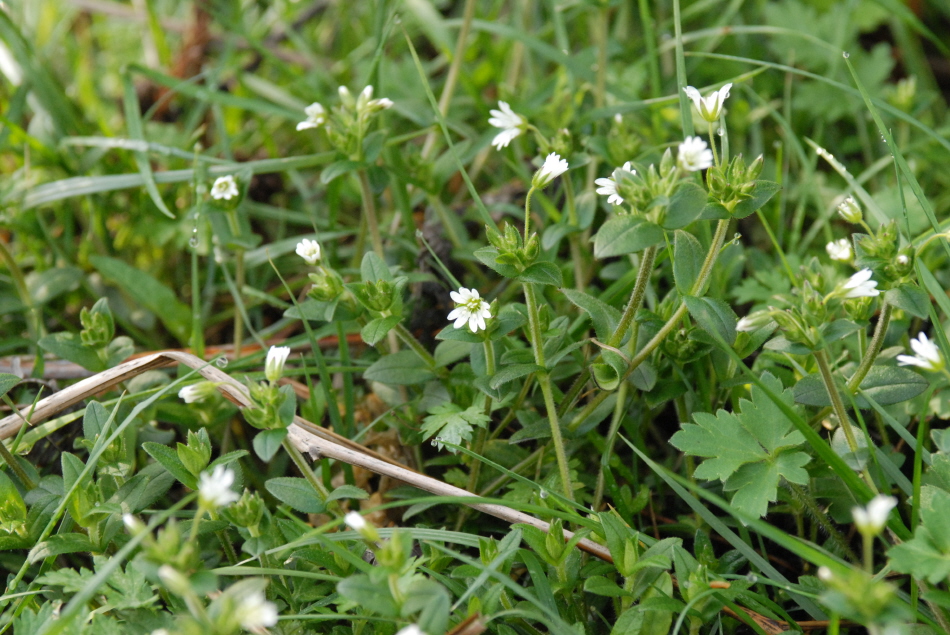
(694,155)
(902,260)
(754,321)
(710,107)
(871,519)
(511,123)
(928,355)
(469,308)
(366,101)
(850,210)
(553,167)
(197,393)
(412,629)
(224,188)
(133,524)
(316,117)
(608,186)
(860,285)
(276,358)
(354,521)
(839,250)
(215,488)
(255,613)
(381,104)
(309,250)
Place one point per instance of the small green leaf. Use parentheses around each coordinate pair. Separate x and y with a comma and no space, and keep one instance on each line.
(94,420)
(488,256)
(886,385)
(7,382)
(296,492)
(911,298)
(927,554)
(542,273)
(347,491)
(688,257)
(376,330)
(399,369)
(599,585)
(373,269)
(267,442)
(686,205)
(763,191)
(337,169)
(511,373)
(68,346)
(449,423)
(603,316)
(623,235)
(170,461)
(605,375)
(714,316)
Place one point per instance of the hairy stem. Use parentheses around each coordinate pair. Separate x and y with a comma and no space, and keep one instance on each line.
(810,504)
(545,381)
(369,208)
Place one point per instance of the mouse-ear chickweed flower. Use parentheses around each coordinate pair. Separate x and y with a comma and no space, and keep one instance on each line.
(366,102)
(710,107)
(255,613)
(553,167)
(927,355)
(316,117)
(224,189)
(469,308)
(196,393)
(754,321)
(859,285)
(608,186)
(274,366)
(839,250)
(511,123)
(309,250)
(214,489)
(694,155)
(849,210)
(870,520)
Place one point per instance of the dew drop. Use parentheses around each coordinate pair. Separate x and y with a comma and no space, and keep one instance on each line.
(419,234)
(97,503)
(752,578)
(845,54)
(221,362)
(543,494)
(193,242)
(721,132)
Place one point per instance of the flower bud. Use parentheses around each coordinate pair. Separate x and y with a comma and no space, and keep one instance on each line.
(196,393)
(274,366)
(850,210)
(870,520)
(360,525)
(532,247)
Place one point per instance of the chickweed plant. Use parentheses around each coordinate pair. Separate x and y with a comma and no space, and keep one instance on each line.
(609,317)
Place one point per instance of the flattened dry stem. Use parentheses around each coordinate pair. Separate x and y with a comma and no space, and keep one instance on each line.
(312,440)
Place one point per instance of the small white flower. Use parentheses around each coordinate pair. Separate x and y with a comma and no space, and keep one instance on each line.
(196,393)
(511,123)
(309,250)
(215,488)
(710,107)
(824,573)
(316,117)
(839,250)
(469,308)
(382,103)
(871,519)
(255,613)
(860,285)
(366,102)
(224,188)
(354,521)
(754,321)
(902,260)
(928,355)
(694,155)
(412,629)
(608,186)
(553,167)
(849,210)
(274,366)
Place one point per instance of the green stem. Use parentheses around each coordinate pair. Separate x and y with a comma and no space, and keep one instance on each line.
(482,437)
(16,467)
(197,332)
(868,543)
(308,474)
(806,499)
(712,144)
(636,298)
(410,340)
(369,209)
(527,214)
(609,448)
(451,78)
(545,380)
(839,410)
(35,321)
(877,341)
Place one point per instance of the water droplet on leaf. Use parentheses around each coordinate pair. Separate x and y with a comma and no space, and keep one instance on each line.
(221,362)
(845,54)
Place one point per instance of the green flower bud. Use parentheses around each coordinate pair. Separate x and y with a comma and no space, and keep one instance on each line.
(849,210)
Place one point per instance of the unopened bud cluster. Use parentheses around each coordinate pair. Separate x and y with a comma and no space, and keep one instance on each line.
(512,250)
(732,183)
